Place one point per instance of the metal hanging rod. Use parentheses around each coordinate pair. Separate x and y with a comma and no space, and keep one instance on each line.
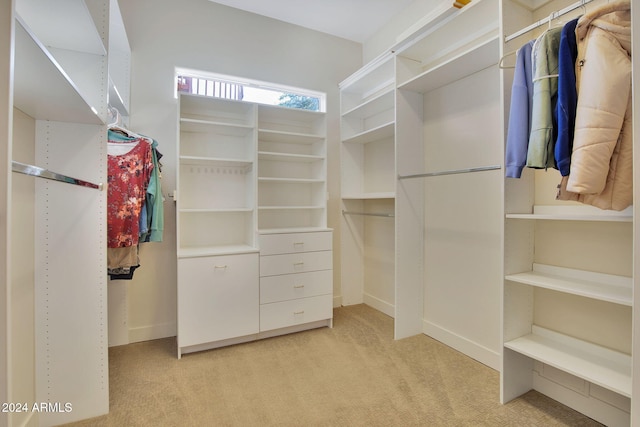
(385,215)
(548,19)
(450,172)
(44,173)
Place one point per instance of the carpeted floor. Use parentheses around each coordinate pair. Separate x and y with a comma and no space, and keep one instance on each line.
(354,374)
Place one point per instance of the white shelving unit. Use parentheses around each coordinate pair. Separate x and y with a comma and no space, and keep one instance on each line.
(291,169)
(448,120)
(216,177)
(568,287)
(368,179)
(61,81)
(249,173)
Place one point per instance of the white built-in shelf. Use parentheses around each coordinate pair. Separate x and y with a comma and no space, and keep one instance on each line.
(466,62)
(598,365)
(42,88)
(284,207)
(292,230)
(370,196)
(377,75)
(291,180)
(380,132)
(203,251)
(453,34)
(288,157)
(63,24)
(291,137)
(603,287)
(574,213)
(215,127)
(214,161)
(216,210)
(373,106)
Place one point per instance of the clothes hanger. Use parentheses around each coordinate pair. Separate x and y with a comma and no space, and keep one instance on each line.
(501,62)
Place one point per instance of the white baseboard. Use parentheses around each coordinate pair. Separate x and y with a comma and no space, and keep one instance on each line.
(472,349)
(602,405)
(152,332)
(380,305)
(337,301)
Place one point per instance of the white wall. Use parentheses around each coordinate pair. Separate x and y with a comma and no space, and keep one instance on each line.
(199,34)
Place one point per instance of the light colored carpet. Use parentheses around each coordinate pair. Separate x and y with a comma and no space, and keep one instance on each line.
(354,374)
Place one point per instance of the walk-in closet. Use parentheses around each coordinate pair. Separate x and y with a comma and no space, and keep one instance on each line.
(442,175)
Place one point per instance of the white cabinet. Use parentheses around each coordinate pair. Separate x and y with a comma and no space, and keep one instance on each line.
(296,282)
(217,298)
(568,288)
(247,170)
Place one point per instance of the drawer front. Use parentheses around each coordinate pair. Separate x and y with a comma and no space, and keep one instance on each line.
(287,243)
(295,312)
(218,298)
(272,265)
(292,286)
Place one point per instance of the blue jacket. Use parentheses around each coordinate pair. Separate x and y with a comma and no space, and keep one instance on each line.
(520,113)
(567,96)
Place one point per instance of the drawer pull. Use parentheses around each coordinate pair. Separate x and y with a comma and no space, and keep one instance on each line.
(220,267)
(298,243)
(298,263)
(299,312)
(298,286)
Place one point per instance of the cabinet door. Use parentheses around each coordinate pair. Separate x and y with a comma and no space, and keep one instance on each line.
(218,298)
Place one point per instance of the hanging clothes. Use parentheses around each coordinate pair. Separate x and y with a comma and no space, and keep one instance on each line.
(151,227)
(540,152)
(567,96)
(128,178)
(520,113)
(601,172)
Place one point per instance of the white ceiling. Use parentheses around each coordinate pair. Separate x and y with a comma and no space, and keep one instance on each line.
(355,20)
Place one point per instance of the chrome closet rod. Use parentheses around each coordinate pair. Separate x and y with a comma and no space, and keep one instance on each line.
(451,172)
(385,215)
(546,20)
(47,174)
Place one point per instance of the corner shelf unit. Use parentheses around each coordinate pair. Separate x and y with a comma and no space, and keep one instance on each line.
(368,179)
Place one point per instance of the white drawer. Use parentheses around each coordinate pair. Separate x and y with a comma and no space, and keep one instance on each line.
(272,265)
(218,298)
(292,286)
(295,312)
(286,243)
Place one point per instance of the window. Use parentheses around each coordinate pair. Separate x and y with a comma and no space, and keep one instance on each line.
(219,86)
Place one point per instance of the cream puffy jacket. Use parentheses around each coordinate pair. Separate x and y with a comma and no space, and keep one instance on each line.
(601,162)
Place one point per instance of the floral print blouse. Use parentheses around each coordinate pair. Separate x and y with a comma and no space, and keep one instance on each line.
(128,178)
